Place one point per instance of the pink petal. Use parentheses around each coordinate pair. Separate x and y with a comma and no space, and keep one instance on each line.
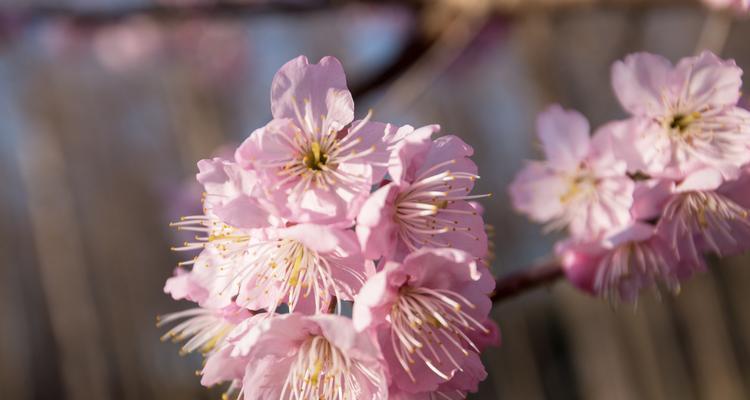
(266,143)
(410,154)
(371,135)
(640,81)
(183,286)
(565,137)
(323,85)
(376,229)
(323,238)
(536,192)
(374,301)
(638,142)
(649,198)
(221,367)
(708,80)
(703,179)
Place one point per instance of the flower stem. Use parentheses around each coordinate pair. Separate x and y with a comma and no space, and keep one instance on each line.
(526,279)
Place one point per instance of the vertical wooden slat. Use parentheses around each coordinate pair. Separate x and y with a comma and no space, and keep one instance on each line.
(661,358)
(736,276)
(117,184)
(711,351)
(15,351)
(513,367)
(600,361)
(62,266)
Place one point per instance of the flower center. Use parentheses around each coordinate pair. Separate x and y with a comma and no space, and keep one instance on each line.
(430,325)
(583,183)
(322,371)
(292,272)
(425,208)
(681,122)
(315,159)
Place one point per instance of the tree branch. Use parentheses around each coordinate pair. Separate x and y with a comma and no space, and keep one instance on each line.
(412,51)
(527,279)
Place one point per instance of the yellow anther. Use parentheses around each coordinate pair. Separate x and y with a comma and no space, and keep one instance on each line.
(316,371)
(294,278)
(315,147)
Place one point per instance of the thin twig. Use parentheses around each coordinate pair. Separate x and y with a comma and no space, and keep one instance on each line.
(417,44)
(526,280)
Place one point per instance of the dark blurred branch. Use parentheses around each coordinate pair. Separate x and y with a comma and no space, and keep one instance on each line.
(415,46)
(527,279)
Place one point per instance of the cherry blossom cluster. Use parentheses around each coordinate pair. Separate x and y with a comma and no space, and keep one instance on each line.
(336,259)
(644,199)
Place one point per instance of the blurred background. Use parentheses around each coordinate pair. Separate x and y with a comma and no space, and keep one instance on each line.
(106,105)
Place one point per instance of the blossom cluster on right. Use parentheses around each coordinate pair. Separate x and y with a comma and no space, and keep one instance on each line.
(644,199)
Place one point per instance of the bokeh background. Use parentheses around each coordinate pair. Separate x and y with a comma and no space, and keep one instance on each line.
(106,105)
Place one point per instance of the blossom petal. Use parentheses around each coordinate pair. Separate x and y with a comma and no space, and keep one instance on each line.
(640,82)
(322,86)
(708,81)
(536,192)
(565,137)
(376,229)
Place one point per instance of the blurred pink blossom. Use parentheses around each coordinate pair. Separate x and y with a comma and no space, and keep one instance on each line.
(683,157)
(581,185)
(128,44)
(690,110)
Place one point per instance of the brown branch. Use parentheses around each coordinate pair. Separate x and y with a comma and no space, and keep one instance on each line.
(418,43)
(412,51)
(527,279)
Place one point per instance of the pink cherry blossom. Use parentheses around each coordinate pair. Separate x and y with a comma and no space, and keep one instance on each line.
(233,195)
(464,381)
(580,185)
(624,263)
(304,266)
(426,205)
(306,357)
(184,285)
(424,312)
(314,162)
(228,362)
(691,109)
(704,215)
(277,252)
